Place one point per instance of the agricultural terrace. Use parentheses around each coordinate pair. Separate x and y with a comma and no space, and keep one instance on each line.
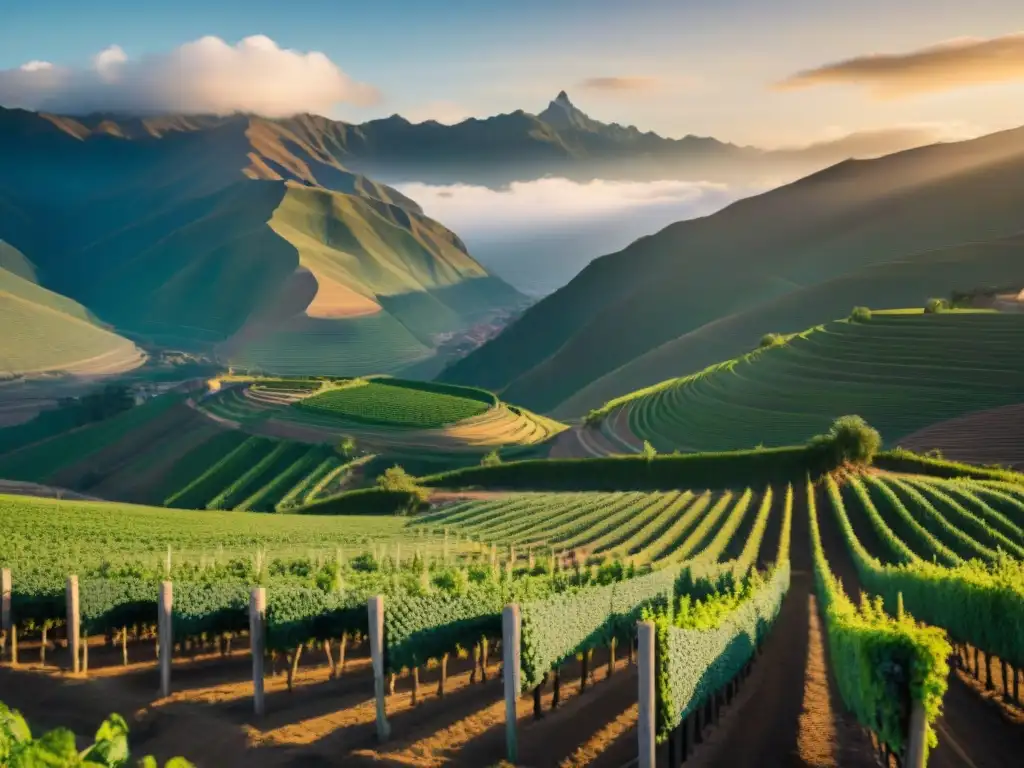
(412,417)
(394,404)
(900,371)
(166,453)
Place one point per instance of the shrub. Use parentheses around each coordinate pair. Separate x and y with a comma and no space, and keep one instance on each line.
(397,479)
(860,314)
(850,440)
(934,306)
(772,340)
(492,459)
(347,447)
(649,451)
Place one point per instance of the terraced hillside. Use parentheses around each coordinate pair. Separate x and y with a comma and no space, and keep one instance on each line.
(401,418)
(706,280)
(166,453)
(899,371)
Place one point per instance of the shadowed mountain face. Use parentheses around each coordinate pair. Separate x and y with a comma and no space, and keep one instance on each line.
(237,233)
(875,232)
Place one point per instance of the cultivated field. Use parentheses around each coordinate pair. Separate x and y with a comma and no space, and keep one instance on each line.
(447,573)
(398,417)
(901,372)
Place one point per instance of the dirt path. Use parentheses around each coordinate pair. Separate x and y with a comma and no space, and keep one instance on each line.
(805,723)
(972,732)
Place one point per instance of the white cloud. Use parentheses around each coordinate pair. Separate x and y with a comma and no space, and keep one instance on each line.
(205,76)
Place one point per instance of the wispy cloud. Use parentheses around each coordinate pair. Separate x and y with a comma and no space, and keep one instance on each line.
(617,84)
(952,64)
(204,76)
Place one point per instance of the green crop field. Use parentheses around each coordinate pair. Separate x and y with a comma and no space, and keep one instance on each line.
(900,372)
(377,402)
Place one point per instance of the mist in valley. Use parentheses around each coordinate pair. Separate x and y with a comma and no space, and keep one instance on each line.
(539,234)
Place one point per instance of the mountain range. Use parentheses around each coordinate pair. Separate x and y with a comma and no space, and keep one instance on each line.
(564,141)
(237,236)
(885,232)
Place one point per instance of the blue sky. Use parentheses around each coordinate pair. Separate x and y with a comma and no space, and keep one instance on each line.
(709,66)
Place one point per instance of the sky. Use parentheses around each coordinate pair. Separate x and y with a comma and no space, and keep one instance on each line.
(775,73)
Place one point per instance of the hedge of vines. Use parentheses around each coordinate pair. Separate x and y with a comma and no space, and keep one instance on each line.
(704,644)
(981,603)
(882,664)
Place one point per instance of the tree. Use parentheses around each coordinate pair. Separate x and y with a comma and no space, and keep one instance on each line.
(860,314)
(772,340)
(397,479)
(850,440)
(492,459)
(649,451)
(347,447)
(934,306)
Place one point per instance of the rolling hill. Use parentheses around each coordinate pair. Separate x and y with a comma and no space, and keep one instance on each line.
(901,372)
(44,331)
(237,236)
(860,232)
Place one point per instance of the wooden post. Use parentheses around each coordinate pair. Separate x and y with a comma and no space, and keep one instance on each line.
(165,636)
(511,628)
(375,608)
(5,608)
(74,622)
(918,738)
(646,672)
(257,644)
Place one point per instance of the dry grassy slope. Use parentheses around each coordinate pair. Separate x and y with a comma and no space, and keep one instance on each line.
(820,228)
(183,229)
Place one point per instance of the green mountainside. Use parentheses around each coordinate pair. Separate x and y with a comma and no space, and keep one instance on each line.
(234,235)
(861,232)
(44,331)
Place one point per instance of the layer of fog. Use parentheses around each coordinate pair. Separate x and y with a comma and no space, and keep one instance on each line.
(538,235)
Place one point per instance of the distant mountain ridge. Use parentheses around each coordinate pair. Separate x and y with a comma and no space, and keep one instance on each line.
(892,231)
(237,235)
(561,140)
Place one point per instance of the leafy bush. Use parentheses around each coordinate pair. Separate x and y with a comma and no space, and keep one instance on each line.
(934,306)
(492,459)
(850,440)
(772,340)
(648,452)
(18,748)
(397,479)
(860,314)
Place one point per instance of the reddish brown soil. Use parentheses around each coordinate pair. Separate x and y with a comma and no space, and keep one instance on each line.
(984,437)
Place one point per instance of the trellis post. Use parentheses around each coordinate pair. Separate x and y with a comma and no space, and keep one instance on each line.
(74,626)
(511,631)
(257,643)
(5,608)
(646,673)
(375,609)
(165,633)
(918,738)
